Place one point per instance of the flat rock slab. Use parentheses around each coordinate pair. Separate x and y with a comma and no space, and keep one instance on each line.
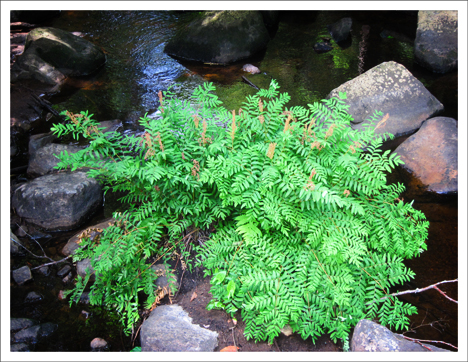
(169,329)
(431,157)
(372,337)
(43,160)
(59,201)
(390,88)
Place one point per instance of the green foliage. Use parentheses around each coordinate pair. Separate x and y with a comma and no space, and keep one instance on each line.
(307,231)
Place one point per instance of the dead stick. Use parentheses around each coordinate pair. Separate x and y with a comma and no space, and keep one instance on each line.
(249,82)
(427,341)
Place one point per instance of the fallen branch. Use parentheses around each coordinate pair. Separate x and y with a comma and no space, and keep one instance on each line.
(427,341)
(249,82)
(433,286)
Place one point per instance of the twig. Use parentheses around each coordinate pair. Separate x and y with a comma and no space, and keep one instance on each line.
(428,341)
(54,262)
(433,286)
(249,82)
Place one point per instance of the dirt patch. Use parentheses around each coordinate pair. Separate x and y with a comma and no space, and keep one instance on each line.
(230,334)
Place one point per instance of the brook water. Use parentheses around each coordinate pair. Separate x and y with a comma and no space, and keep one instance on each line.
(137,69)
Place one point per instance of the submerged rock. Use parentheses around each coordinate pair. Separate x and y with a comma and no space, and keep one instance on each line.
(220,37)
(390,88)
(169,329)
(436,44)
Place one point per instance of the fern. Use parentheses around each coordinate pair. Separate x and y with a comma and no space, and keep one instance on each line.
(308,233)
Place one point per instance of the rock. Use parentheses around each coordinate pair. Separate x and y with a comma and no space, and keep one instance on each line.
(81,267)
(390,88)
(436,43)
(340,30)
(114,125)
(287,330)
(252,69)
(34,333)
(40,140)
(163,282)
(372,337)
(52,54)
(58,201)
(17,324)
(170,329)
(33,297)
(98,344)
(19,347)
(44,270)
(22,275)
(43,160)
(64,271)
(91,232)
(431,157)
(220,37)
(322,47)
(15,248)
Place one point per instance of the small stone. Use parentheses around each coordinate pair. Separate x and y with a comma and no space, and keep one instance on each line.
(15,245)
(33,297)
(98,344)
(28,335)
(249,68)
(67,278)
(17,324)
(287,330)
(47,329)
(64,271)
(61,295)
(22,275)
(44,270)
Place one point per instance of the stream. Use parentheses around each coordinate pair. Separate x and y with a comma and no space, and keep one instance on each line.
(137,69)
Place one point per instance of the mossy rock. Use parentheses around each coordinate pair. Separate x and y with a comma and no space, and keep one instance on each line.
(220,37)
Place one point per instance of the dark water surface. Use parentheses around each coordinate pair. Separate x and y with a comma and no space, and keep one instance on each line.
(137,69)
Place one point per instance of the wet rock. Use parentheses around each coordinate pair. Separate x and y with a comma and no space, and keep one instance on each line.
(372,337)
(34,333)
(169,329)
(17,324)
(91,232)
(220,37)
(44,270)
(340,30)
(322,47)
(64,271)
(163,282)
(390,88)
(33,297)
(98,344)
(15,245)
(431,158)
(114,125)
(22,275)
(249,68)
(40,140)
(43,160)
(82,266)
(19,347)
(436,43)
(59,201)
(53,54)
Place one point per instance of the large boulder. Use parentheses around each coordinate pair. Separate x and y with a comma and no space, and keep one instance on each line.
(53,54)
(58,201)
(369,336)
(431,158)
(220,37)
(340,30)
(391,88)
(43,160)
(169,329)
(436,44)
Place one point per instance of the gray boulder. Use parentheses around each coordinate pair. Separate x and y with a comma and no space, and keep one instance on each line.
(43,161)
(169,329)
(220,37)
(35,333)
(372,337)
(59,201)
(431,157)
(53,54)
(436,43)
(40,140)
(391,88)
(16,324)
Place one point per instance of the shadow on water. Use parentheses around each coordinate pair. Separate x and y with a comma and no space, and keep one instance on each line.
(137,68)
